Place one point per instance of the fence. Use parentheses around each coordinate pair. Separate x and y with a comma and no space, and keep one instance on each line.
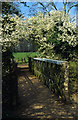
(54,74)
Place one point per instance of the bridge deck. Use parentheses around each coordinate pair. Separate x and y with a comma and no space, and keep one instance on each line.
(37,101)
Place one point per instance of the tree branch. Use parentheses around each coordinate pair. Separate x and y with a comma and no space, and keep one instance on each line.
(54,5)
(72,7)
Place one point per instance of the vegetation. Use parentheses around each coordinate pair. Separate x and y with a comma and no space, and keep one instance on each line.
(10,8)
(61,79)
(53,75)
(55,34)
(73,75)
(22,57)
(10,34)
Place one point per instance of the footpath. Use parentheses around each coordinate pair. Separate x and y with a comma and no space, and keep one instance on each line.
(36,101)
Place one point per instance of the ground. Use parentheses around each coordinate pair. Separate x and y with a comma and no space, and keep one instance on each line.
(37,101)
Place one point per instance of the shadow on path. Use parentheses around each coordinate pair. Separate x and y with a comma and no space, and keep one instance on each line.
(37,102)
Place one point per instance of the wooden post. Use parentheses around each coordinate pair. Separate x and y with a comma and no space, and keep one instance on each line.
(29,60)
(66,82)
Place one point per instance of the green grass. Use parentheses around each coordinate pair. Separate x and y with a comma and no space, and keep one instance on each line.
(22,57)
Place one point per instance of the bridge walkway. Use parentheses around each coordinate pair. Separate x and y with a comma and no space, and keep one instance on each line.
(36,101)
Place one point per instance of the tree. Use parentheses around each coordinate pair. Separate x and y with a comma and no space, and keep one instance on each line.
(10,8)
(55,34)
(11,32)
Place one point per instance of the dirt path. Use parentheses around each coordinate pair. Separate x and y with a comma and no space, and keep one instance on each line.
(37,101)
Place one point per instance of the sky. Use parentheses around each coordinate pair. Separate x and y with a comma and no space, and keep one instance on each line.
(25,10)
(26,13)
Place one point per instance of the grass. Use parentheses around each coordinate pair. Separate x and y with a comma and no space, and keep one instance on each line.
(22,57)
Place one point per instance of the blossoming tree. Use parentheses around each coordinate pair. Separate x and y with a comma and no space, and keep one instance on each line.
(54,33)
(11,32)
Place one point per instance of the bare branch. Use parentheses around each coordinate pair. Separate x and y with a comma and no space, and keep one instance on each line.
(54,5)
(72,7)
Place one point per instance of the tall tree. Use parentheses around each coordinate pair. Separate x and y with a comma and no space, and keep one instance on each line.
(10,8)
(55,34)
(10,31)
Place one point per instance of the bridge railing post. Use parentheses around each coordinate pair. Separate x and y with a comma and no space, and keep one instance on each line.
(30,63)
(66,82)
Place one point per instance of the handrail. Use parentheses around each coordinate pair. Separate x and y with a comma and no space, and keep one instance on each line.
(50,60)
(58,75)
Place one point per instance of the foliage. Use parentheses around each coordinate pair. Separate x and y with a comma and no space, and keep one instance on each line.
(10,8)
(73,73)
(8,63)
(11,22)
(61,79)
(11,32)
(9,37)
(55,34)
